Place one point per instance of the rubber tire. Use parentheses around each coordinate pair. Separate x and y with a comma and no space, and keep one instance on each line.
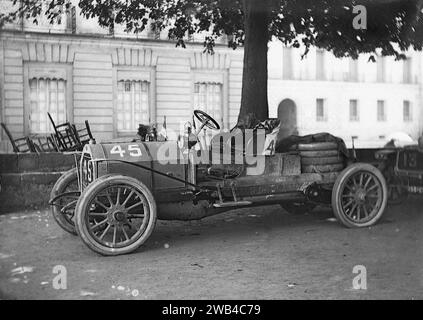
(320,154)
(59,187)
(317,146)
(322,168)
(298,208)
(67,178)
(336,193)
(322,161)
(84,200)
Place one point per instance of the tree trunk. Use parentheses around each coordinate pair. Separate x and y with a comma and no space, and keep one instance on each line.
(254,77)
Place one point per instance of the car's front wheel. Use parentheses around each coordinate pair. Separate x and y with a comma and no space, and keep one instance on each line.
(115,215)
(63,210)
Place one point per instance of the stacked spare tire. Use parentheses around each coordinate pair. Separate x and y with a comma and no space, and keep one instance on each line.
(321,157)
(320,153)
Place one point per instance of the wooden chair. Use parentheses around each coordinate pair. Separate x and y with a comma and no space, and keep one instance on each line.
(55,141)
(66,136)
(45,144)
(22,145)
(84,135)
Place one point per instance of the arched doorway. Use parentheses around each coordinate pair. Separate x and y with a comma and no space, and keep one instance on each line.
(287,114)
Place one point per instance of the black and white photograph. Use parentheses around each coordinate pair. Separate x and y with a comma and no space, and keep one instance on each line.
(211,154)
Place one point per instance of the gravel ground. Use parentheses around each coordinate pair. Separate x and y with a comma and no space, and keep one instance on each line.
(256,253)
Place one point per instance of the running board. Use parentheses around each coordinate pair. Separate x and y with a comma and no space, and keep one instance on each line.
(232,204)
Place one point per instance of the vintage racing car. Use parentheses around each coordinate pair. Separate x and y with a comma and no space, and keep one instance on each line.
(114,197)
(403,170)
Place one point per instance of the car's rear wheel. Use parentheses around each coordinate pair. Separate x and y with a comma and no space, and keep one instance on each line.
(359,195)
(63,210)
(115,215)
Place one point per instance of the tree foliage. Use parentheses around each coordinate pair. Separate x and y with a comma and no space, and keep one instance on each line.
(393,26)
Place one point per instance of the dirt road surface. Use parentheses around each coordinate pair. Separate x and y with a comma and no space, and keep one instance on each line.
(256,253)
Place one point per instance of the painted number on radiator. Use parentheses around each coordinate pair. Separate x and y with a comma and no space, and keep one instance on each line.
(134,150)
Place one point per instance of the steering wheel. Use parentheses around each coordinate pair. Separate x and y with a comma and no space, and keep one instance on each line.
(206,120)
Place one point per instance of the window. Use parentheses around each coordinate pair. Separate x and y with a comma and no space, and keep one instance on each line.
(71,21)
(344,69)
(320,65)
(354,111)
(208,97)
(381,112)
(46,95)
(380,69)
(407,111)
(287,67)
(407,70)
(353,74)
(320,110)
(132,105)
(60,22)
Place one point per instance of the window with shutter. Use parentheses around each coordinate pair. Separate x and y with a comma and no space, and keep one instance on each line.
(46,95)
(407,114)
(132,105)
(354,116)
(208,97)
(320,110)
(381,112)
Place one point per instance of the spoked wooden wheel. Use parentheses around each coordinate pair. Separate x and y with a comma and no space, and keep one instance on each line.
(115,215)
(63,211)
(359,196)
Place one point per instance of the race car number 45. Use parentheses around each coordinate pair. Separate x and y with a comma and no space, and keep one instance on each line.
(133,150)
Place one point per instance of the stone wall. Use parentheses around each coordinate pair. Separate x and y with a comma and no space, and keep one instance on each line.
(26,179)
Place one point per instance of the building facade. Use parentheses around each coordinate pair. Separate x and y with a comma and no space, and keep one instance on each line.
(79,71)
(357,99)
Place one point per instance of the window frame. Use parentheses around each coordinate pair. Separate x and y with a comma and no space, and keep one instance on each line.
(353,70)
(320,76)
(213,76)
(381,69)
(384,118)
(133,105)
(132,73)
(207,84)
(287,63)
(356,118)
(47,70)
(407,70)
(44,24)
(324,117)
(409,117)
